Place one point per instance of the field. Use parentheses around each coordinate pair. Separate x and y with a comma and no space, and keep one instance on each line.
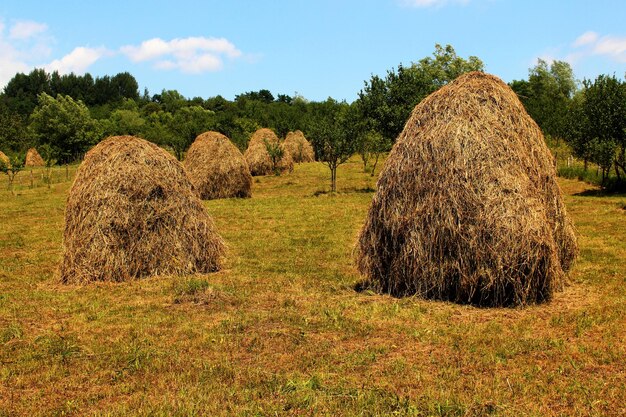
(281,330)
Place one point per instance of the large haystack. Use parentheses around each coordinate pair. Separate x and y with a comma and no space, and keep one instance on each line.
(258,158)
(132,212)
(216,168)
(33,159)
(5,159)
(299,148)
(467,207)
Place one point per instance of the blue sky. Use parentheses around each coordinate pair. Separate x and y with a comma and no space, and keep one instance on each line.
(317,48)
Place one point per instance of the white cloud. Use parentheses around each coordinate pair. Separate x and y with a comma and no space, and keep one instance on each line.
(611,46)
(25,44)
(591,43)
(77,61)
(585,39)
(26,29)
(430,3)
(192,55)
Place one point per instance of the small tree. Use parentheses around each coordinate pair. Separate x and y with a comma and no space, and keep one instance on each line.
(11,169)
(48,154)
(276,153)
(331,135)
(371,146)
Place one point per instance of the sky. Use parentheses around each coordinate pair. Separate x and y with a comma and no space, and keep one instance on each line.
(313,48)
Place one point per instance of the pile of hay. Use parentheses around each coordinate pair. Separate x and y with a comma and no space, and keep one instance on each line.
(132,212)
(258,158)
(216,168)
(33,159)
(467,207)
(5,159)
(299,148)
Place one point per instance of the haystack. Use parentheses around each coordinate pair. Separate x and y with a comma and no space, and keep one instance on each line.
(258,158)
(216,168)
(299,148)
(5,159)
(33,159)
(467,208)
(132,212)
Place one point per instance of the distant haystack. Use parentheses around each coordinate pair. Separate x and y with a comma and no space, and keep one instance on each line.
(299,148)
(467,206)
(259,159)
(5,159)
(33,159)
(132,212)
(216,168)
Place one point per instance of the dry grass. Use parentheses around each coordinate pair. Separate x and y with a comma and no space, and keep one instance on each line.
(258,158)
(216,168)
(131,213)
(280,330)
(298,147)
(467,207)
(33,159)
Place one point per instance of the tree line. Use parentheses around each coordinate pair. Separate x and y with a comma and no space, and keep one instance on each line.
(71,113)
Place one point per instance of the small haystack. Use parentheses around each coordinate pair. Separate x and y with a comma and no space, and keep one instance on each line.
(5,159)
(467,207)
(259,159)
(33,159)
(216,168)
(299,148)
(132,212)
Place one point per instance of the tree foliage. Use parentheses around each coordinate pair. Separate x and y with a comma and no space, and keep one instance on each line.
(65,124)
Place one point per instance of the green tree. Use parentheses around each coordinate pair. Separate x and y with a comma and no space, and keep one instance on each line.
(547,95)
(65,124)
(49,156)
(331,135)
(186,125)
(276,152)
(11,169)
(13,132)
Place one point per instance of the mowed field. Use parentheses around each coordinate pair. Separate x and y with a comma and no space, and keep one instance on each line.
(281,330)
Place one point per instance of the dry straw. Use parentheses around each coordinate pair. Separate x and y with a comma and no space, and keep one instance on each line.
(299,148)
(33,159)
(132,212)
(467,206)
(258,158)
(5,159)
(216,168)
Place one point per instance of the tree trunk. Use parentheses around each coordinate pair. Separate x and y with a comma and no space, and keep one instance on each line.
(375,163)
(585,162)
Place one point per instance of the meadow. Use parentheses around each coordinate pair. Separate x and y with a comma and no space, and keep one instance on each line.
(282,331)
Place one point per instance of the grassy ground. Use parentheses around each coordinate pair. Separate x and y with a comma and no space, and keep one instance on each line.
(280,331)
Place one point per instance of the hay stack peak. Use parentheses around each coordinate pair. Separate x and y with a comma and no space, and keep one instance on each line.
(216,168)
(258,158)
(33,159)
(467,208)
(299,148)
(132,212)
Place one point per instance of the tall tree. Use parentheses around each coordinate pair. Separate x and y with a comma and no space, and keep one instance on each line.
(547,95)
(65,124)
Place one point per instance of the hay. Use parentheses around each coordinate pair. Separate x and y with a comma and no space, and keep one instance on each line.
(216,168)
(131,213)
(33,159)
(467,207)
(5,159)
(259,159)
(299,148)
